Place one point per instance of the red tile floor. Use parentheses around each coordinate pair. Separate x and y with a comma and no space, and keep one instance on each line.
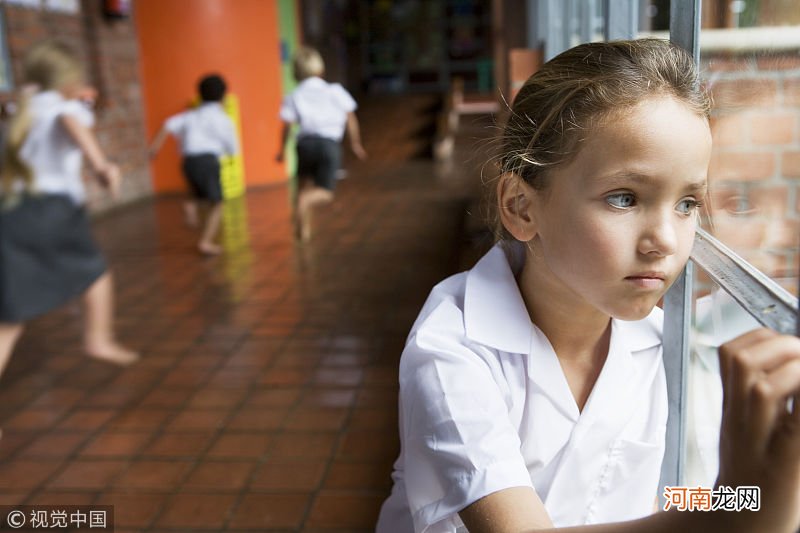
(265,399)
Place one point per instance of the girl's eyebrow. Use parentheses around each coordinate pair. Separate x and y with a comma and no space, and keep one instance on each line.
(626,176)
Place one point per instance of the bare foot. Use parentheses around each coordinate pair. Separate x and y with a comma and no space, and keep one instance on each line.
(209,248)
(190,215)
(112,352)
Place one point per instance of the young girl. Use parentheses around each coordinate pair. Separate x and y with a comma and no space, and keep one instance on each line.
(532,390)
(323,110)
(47,255)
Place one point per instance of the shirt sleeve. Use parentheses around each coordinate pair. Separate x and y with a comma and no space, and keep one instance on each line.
(288,111)
(343,98)
(77,109)
(175,124)
(459,444)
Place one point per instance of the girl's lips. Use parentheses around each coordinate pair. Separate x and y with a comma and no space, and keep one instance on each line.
(649,280)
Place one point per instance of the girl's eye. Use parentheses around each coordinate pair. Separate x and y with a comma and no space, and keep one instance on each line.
(687,206)
(738,206)
(621,200)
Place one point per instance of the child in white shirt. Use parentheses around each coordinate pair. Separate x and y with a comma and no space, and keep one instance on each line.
(204,134)
(47,253)
(322,111)
(532,391)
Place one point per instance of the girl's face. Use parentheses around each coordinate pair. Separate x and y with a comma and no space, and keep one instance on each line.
(616,224)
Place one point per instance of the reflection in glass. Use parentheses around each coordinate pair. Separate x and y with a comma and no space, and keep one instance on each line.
(717,320)
(753,74)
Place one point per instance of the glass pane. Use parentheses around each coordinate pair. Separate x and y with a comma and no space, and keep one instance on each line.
(750,62)
(717,318)
(5,64)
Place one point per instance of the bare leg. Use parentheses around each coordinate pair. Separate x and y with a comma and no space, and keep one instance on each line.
(190,213)
(309,197)
(9,333)
(207,244)
(99,338)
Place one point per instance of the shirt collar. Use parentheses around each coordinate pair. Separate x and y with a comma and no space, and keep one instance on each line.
(313,80)
(495,313)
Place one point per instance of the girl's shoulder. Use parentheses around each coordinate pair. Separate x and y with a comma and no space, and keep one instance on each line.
(54,103)
(444,307)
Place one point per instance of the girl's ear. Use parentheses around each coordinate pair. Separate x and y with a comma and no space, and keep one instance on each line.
(515,200)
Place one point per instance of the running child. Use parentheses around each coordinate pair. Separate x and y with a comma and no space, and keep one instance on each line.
(204,134)
(47,253)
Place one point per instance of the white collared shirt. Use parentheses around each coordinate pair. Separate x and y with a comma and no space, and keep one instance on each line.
(51,153)
(205,129)
(319,108)
(485,406)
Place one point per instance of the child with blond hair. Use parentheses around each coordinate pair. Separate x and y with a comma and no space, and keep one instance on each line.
(322,112)
(47,254)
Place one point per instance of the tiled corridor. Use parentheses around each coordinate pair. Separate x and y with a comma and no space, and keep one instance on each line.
(265,399)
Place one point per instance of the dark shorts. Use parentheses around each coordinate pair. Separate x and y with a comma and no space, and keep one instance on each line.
(319,158)
(47,256)
(202,172)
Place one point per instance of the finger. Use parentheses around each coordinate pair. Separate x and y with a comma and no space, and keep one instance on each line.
(743,342)
(769,397)
(737,379)
(729,361)
(750,413)
(747,357)
(771,352)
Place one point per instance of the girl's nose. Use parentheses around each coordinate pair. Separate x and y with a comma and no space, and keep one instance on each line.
(660,237)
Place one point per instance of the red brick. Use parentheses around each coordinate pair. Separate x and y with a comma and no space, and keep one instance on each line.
(741,166)
(778,62)
(791,91)
(719,63)
(744,93)
(790,164)
(773,128)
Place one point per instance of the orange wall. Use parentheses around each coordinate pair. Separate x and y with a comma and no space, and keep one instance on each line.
(179,41)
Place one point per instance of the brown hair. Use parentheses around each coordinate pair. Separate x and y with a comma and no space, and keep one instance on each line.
(47,66)
(559,105)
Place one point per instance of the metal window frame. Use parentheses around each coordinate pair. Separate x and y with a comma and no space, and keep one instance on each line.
(684,31)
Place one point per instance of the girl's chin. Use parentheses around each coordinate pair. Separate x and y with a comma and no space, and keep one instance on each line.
(631,315)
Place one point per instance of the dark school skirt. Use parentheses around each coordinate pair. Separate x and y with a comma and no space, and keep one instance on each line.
(47,255)
(202,172)
(320,159)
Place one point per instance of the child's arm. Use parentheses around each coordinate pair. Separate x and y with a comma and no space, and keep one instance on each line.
(158,142)
(759,446)
(284,139)
(108,173)
(354,134)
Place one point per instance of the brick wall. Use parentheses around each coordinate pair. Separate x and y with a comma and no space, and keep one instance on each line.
(110,53)
(755,169)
